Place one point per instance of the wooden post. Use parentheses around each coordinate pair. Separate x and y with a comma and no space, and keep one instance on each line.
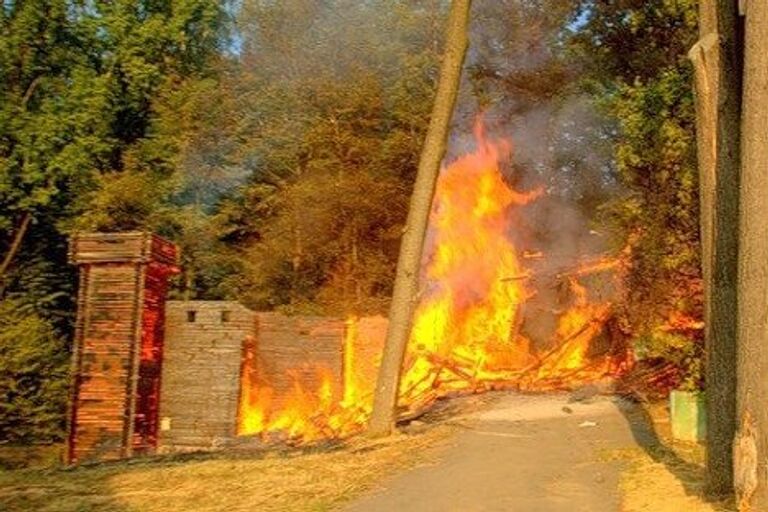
(751,445)
(118,343)
(717,64)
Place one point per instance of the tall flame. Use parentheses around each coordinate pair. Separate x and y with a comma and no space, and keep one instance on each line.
(476,281)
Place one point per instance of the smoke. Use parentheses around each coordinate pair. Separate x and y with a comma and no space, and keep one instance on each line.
(519,76)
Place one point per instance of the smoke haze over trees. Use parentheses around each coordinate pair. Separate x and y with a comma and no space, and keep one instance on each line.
(277,143)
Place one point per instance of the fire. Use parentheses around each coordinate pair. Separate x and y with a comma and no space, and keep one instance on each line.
(576,328)
(307,413)
(678,321)
(468,331)
(463,329)
(304,415)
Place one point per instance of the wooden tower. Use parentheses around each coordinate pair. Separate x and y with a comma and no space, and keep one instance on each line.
(118,348)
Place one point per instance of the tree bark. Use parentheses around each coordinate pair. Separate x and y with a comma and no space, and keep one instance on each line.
(404,297)
(751,444)
(717,63)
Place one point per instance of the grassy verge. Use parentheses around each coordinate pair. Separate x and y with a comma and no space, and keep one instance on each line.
(666,476)
(38,456)
(310,480)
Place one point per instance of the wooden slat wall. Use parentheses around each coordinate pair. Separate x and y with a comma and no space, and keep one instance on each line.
(146,413)
(134,246)
(105,350)
(201,373)
(121,276)
(367,348)
(202,364)
(289,347)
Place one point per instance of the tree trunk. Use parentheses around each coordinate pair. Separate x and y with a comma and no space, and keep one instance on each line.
(404,297)
(18,238)
(26,219)
(751,445)
(717,62)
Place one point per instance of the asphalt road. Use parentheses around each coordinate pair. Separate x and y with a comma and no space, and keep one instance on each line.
(522,454)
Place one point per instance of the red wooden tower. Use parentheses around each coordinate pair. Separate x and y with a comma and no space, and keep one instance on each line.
(118,343)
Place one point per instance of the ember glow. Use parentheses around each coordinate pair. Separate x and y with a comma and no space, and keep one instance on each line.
(468,331)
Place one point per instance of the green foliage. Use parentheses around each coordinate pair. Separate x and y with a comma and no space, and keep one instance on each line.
(633,39)
(677,349)
(36,314)
(636,53)
(82,146)
(78,82)
(34,366)
(52,127)
(330,143)
(656,159)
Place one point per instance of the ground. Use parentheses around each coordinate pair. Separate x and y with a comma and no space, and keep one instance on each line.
(663,475)
(504,452)
(549,454)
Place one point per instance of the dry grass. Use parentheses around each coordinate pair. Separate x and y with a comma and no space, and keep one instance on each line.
(669,478)
(668,486)
(311,480)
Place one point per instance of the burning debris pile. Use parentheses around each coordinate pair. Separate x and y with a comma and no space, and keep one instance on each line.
(492,316)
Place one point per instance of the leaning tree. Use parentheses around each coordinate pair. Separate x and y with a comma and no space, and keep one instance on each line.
(405,294)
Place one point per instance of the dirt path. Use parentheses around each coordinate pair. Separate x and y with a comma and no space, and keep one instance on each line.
(523,454)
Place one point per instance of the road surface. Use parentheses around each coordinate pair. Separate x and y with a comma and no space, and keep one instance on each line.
(522,454)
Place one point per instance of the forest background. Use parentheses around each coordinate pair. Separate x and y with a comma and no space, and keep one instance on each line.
(277,142)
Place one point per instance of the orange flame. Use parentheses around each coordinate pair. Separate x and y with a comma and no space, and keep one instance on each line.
(464,327)
(307,413)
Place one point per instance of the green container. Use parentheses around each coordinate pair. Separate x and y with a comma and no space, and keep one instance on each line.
(688,416)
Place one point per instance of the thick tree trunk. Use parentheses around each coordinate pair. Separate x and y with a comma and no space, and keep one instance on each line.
(404,297)
(717,62)
(751,445)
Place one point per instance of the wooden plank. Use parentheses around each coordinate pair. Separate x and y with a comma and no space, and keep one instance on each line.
(135,247)
(299,350)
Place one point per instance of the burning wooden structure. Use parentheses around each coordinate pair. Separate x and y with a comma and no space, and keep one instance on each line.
(231,372)
(300,350)
(308,378)
(187,375)
(118,347)
(492,315)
